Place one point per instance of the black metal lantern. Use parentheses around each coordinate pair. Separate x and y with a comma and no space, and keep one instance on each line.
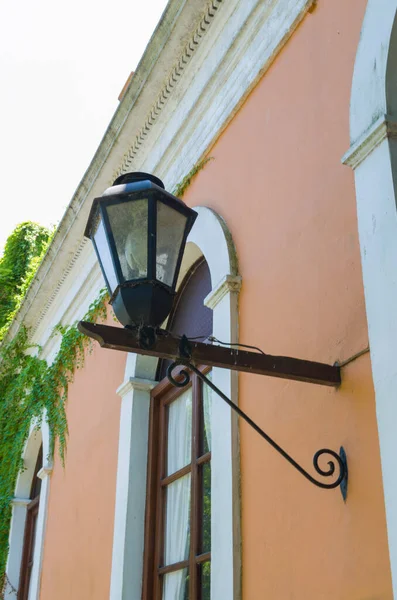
(139,234)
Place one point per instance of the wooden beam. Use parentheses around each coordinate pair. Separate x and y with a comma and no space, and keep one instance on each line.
(167,346)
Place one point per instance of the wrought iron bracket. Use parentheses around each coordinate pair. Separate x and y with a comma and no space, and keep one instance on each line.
(183,379)
(189,353)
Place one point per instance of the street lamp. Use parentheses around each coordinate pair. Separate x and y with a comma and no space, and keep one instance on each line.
(139,234)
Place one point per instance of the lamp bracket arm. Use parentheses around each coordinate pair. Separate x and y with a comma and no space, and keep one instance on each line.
(165,345)
(183,379)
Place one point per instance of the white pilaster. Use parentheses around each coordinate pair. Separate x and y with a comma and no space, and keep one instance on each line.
(128,538)
(373,156)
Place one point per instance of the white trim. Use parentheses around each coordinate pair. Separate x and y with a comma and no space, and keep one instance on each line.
(230,283)
(127,559)
(128,536)
(373,156)
(20,501)
(35,439)
(211,239)
(383,128)
(45,472)
(231,53)
(135,383)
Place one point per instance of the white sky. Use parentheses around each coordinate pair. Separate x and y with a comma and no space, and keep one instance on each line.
(62,67)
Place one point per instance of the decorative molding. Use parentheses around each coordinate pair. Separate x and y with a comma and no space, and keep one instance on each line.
(230,283)
(59,285)
(171,82)
(20,501)
(71,305)
(383,128)
(245,40)
(135,383)
(45,471)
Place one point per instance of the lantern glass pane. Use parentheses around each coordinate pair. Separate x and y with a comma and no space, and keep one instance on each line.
(129,225)
(102,248)
(170,231)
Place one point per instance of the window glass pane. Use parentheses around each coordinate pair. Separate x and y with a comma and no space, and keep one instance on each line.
(177,523)
(102,248)
(176,585)
(206,417)
(205,572)
(170,230)
(206,507)
(179,432)
(129,225)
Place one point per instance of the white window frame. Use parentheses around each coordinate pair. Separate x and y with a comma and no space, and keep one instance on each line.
(211,239)
(36,438)
(373,157)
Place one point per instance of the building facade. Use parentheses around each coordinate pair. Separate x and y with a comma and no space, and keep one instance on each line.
(278,116)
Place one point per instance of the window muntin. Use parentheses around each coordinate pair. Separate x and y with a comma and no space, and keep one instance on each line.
(179,494)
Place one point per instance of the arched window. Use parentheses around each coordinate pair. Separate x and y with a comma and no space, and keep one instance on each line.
(32,511)
(209,240)
(178,509)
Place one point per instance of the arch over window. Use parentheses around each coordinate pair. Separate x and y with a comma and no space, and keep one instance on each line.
(211,240)
(32,513)
(28,512)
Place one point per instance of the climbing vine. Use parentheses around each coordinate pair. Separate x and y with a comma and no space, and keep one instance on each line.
(29,387)
(23,252)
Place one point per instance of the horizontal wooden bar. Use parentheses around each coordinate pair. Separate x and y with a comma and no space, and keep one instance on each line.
(183,564)
(167,346)
(204,458)
(203,558)
(177,475)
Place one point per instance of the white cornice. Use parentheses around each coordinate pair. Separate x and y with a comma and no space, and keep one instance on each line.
(383,128)
(171,81)
(240,43)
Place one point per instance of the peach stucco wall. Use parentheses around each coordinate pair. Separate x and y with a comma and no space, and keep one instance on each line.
(79,534)
(277,180)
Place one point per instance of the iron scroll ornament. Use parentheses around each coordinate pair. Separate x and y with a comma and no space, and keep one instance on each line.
(338,459)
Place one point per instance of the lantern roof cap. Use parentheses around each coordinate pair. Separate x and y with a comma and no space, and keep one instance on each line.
(130,183)
(138,176)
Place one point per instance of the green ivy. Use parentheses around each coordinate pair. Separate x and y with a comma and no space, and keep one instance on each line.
(29,387)
(23,252)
